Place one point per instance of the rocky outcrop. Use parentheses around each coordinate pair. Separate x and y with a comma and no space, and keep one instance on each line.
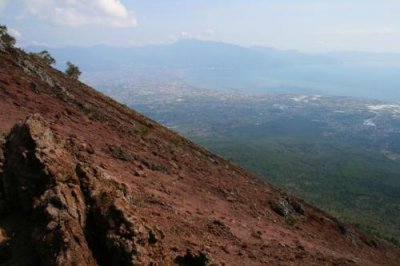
(289,208)
(191,259)
(2,199)
(115,234)
(4,239)
(77,216)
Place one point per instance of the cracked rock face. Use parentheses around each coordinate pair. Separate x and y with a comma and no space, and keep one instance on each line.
(76,216)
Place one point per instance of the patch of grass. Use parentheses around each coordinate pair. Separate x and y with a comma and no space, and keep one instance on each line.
(144,130)
(290,220)
(176,140)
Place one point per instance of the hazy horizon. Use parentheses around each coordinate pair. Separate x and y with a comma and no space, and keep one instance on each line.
(305,25)
(33,45)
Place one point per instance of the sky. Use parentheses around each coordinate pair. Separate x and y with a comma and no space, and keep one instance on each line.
(305,25)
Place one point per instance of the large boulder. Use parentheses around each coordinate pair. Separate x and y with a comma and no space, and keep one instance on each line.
(76,215)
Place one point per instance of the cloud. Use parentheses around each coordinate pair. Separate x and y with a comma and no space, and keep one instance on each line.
(75,13)
(206,35)
(15,33)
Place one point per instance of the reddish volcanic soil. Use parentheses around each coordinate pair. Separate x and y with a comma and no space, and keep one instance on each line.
(199,208)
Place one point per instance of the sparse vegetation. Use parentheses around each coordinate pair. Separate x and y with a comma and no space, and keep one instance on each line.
(144,130)
(176,139)
(45,57)
(356,185)
(5,37)
(290,220)
(73,71)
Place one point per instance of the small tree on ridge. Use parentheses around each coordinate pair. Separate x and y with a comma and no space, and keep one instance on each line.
(72,71)
(46,57)
(6,38)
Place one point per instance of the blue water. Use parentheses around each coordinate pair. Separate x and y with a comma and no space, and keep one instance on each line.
(365,81)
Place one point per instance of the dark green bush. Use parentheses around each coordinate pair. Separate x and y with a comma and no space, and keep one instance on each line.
(5,37)
(45,57)
(72,71)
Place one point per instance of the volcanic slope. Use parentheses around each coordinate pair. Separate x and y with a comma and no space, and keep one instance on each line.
(87,181)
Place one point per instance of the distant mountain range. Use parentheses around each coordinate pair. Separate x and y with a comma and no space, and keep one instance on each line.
(197,53)
(232,68)
(183,54)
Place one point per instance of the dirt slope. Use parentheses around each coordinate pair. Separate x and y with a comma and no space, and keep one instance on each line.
(87,181)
